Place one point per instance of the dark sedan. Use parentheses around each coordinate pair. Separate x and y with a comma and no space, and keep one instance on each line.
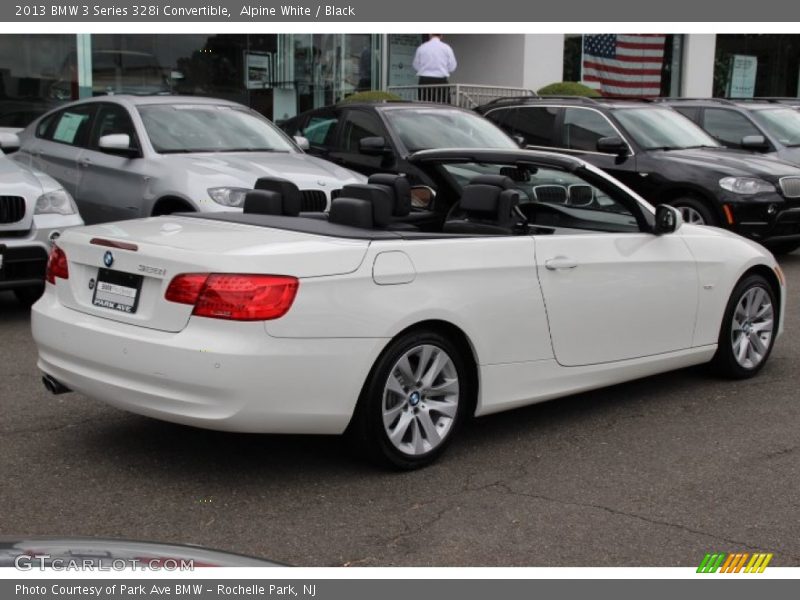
(379,137)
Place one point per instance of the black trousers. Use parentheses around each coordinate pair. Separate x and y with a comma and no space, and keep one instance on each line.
(435,94)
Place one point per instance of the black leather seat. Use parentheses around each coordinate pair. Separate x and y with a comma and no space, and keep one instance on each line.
(485,208)
(284,187)
(263,202)
(399,205)
(373,210)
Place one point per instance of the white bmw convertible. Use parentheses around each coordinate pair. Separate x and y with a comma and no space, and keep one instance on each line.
(401,312)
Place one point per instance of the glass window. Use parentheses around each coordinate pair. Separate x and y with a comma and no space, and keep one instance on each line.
(728,126)
(176,128)
(30,68)
(113,119)
(321,128)
(359,124)
(534,124)
(583,127)
(71,126)
(747,65)
(662,128)
(783,123)
(423,129)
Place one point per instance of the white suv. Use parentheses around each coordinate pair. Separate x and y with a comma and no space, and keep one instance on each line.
(34,209)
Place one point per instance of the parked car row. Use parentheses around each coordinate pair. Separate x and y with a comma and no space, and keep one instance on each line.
(123,157)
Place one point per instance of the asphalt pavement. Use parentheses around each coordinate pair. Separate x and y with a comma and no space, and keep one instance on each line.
(655,472)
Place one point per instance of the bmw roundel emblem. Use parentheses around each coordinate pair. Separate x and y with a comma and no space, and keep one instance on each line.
(108,259)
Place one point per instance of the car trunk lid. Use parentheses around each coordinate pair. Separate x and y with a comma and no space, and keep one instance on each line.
(113,260)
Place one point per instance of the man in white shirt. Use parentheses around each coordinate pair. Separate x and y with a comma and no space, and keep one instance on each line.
(434,61)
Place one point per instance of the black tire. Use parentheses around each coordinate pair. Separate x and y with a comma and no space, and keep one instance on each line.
(28,295)
(693,205)
(169,206)
(367,433)
(778,248)
(725,361)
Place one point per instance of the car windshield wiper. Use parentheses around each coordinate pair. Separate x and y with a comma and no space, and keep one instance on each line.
(699,146)
(250,150)
(664,148)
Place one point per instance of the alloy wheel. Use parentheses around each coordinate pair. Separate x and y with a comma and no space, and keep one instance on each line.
(420,400)
(752,327)
(691,215)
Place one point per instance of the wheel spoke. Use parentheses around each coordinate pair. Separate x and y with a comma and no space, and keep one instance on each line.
(450,385)
(431,433)
(757,344)
(424,359)
(397,434)
(393,384)
(405,369)
(440,361)
(417,442)
(744,344)
(390,415)
(761,326)
(444,407)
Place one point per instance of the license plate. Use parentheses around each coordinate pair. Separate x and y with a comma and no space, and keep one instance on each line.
(117,291)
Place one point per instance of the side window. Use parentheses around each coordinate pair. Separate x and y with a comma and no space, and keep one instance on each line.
(44,125)
(111,119)
(320,128)
(691,112)
(359,124)
(503,118)
(728,126)
(70,126)
(534,123)
(583,127)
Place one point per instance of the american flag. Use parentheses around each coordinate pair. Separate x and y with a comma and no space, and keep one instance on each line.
(624,65)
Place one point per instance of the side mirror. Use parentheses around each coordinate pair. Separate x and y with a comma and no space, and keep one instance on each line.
(373,146)
(9,142)
(668,219)
(302,142)
(117,143)
(757,143)
(613,145)
(422,196)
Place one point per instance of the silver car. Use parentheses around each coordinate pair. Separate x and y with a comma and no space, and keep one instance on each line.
(124,157)
(34,209)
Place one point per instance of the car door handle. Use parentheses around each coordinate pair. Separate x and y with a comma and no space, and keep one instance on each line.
(560,262)
(84,162)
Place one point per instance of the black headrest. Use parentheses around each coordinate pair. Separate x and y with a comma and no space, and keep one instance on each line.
(401,188)
(286,188)
(263,202)
(500,181)
(488,202)
(355,212)
(380,196)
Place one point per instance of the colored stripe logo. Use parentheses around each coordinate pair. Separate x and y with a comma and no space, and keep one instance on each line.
(739,562)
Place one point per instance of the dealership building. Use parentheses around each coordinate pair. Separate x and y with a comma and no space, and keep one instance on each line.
(280,75)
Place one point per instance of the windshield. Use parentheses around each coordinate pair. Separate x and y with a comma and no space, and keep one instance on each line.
(783,123)
(424,129)
(210,128)
(662,129)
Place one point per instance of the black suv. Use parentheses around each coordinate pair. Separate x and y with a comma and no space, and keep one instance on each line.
(378,137)
(667,159)
(758,125)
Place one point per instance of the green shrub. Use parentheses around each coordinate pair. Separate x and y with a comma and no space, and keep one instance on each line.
(568,88)
(372,96)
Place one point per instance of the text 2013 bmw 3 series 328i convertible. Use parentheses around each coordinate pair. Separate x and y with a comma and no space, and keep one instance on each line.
(527,277)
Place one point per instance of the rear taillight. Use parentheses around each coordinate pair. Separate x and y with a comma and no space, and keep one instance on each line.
(56,265)
(235,297)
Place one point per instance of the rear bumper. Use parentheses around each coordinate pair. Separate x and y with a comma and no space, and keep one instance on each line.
(214,374)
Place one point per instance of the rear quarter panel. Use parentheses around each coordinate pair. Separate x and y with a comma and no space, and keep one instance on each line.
(487,287)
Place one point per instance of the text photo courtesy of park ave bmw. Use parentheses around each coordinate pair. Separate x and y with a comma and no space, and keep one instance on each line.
(287,286)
